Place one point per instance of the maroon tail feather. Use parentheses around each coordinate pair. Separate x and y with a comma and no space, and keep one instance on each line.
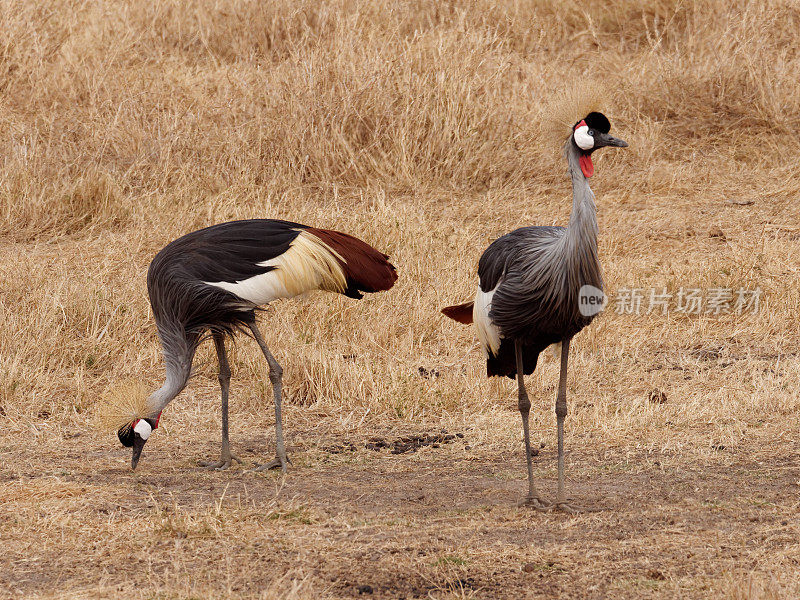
(460,312)
(366,269)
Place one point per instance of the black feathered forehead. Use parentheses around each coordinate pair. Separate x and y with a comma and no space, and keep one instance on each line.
(597,121)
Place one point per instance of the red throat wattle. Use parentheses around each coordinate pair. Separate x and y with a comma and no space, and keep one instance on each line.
(586,165)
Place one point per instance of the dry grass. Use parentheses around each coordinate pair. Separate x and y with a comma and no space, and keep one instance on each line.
(417,126)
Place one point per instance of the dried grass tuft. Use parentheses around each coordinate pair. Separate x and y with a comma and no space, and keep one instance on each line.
(558,116)
(121,404)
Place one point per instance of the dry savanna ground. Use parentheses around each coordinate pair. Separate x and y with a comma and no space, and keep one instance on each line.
(416,125)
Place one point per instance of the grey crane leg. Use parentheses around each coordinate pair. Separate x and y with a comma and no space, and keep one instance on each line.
(533,498)
(561,413)
(226,457)
(275,376)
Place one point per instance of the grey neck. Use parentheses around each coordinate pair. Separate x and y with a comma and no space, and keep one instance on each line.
(178,357)
(583,220)
(580,241)
(582,229)
(173,385)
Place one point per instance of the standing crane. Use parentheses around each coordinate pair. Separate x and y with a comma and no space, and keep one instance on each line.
(531,282)
(215,279)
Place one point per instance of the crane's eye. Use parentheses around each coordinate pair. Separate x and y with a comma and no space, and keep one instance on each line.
(590,132)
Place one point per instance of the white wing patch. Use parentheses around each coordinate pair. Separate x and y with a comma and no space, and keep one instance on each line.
(488,333)
(582,138)
(260,289)
(309,264)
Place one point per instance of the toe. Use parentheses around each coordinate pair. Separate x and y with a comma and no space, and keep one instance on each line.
(216,465)
(536,503)
(573,509)
(275,463)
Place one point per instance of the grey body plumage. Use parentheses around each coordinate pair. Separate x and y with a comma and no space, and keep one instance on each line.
(538,272)
(529,286)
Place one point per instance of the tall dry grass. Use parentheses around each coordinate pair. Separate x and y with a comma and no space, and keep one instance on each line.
(413,124)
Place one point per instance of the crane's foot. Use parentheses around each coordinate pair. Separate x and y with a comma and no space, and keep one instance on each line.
(573,509)
(219,465)
(275,463)
(536,503)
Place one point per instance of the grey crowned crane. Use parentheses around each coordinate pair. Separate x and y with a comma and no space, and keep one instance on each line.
(214,280)
(530,283)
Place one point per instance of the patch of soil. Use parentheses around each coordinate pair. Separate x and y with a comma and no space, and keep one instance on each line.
(401,445)
(341,448)
(412,443)
(428,373)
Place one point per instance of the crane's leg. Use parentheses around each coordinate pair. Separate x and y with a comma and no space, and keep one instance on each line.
(224,461)
(533,498)
(561,413)
(275,376)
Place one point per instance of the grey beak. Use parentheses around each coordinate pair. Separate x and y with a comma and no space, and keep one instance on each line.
(138,444)
(610,140)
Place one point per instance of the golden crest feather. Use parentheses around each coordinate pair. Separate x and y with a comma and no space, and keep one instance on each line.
(570,106)
(121,404)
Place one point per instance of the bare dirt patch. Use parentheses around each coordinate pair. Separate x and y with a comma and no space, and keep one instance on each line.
(433,523)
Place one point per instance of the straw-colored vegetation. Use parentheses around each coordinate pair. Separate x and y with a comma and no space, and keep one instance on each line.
(419,126)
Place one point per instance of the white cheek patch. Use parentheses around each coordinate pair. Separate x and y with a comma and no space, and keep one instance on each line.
(582,138)
(143,429)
